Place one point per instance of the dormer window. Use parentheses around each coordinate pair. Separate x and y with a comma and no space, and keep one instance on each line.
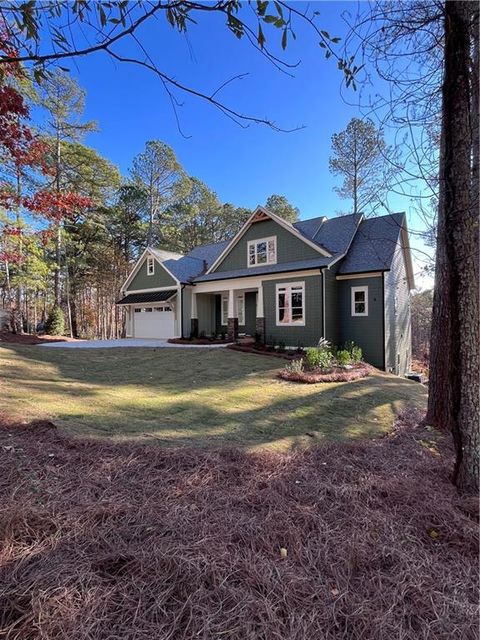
(263,251)
(150,266)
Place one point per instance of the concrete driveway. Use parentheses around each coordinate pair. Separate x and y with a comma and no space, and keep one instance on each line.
(126,342)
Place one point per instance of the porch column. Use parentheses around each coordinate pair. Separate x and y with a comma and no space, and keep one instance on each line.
(232,322)
(194,317)
(260,319)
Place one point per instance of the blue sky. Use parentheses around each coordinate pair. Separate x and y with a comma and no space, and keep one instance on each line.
(244,166)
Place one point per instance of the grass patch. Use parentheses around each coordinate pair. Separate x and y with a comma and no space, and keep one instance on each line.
(193,397)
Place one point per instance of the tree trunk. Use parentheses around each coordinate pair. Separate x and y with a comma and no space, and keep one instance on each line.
(457,286)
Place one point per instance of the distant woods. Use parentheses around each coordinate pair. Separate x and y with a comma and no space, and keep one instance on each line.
(71,226)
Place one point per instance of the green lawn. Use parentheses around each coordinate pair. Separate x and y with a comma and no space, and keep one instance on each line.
(193,396)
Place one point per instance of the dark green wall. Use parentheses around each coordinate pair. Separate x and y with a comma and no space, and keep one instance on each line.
(159,279)
(366,331)
(332,319)
(293,336)
(289,248)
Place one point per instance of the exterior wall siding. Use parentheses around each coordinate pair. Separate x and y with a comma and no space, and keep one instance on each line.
(159,279)
(332,321)
(366,331)
(308,335)
(206,313)
(186,311)
(289,248)
(398,317)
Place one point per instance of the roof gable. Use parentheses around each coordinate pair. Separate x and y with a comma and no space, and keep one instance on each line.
(138,278)
(261,215)
(374,245)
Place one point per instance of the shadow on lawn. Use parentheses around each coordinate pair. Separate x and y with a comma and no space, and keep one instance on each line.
(185,413)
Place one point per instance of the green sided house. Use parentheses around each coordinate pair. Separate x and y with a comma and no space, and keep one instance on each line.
(345,278)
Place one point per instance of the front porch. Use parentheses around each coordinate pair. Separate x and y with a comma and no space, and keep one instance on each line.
(233,312)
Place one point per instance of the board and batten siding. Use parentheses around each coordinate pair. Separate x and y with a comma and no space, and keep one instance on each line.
(160,278)
(332,320)
(307,336)
(186,297)
(289,247)
(398,336)
(365,331)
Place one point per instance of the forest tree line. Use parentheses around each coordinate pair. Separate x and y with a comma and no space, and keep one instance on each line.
(71,225)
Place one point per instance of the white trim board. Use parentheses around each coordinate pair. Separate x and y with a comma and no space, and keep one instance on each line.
(283,223)
(152,290)
(248,282)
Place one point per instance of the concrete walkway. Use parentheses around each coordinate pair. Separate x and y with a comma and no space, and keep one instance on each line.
(126,342)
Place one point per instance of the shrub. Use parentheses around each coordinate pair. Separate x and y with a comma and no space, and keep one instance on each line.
(356,354)
(344,357)
(55,324)
(281,346)
(318,358)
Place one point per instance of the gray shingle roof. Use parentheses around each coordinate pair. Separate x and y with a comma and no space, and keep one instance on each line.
(185,268)
(155,296)
(336,234)
(374,244)
(208,252)
(299,265)
(309,228)
(374,241)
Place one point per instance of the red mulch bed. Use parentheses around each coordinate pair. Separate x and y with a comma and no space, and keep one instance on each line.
(337,374)
(124,541)
(264,351)
(30,338)
(197,341)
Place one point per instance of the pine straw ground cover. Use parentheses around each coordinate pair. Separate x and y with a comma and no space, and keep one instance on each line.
(116,541)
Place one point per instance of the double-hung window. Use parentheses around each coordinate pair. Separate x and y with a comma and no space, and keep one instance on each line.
(225,310)
(291,304)
(359,301)
(240,299)
(150,266)
(263,251)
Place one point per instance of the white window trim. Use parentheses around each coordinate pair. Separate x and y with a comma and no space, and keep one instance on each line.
(289,285)
(356,290)
(150,262)
(241,301)
(224,309)
(255,243)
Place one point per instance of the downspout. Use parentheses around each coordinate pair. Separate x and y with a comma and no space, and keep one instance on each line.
(383,323)
(323,304)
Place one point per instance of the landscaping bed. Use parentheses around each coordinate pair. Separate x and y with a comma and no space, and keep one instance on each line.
(198,341)
(263,350)
(30,338)
(336,374)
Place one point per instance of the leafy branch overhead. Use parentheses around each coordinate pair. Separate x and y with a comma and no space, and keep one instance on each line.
(40,34)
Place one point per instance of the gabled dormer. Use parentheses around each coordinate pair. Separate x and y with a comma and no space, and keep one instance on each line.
(264,240)
(150,271)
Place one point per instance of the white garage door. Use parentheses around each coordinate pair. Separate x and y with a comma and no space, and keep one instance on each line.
(154,322)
